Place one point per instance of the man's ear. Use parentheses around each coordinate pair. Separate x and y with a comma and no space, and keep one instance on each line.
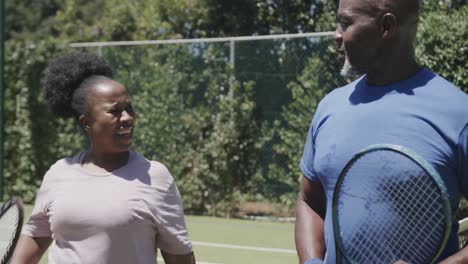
(389,25)
(84,122)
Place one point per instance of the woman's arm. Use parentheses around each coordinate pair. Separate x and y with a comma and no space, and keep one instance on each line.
(178,259)
(29,250)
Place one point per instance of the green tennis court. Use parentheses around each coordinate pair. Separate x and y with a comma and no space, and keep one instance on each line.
(226,241)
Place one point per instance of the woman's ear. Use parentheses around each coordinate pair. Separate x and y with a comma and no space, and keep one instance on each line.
(389,25)
(84,122)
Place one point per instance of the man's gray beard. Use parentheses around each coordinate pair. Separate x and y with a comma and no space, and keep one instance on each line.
(348,70)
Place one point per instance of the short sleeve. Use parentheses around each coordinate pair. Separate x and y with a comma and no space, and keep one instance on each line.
(172,235)
(38,224)
(463,161)
(307,160)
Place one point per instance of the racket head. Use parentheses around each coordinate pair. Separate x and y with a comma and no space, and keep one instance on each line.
(375,217)
(11,222)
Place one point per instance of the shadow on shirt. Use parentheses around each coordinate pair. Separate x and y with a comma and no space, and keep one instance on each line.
(364,93)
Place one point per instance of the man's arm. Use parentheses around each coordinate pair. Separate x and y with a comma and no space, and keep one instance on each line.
(310,214)
(29,250)
(178,259)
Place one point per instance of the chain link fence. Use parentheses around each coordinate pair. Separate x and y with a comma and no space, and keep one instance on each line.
(219,110)
(271,62)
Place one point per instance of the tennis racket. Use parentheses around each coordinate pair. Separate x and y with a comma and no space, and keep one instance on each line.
(11,221)
(389,204)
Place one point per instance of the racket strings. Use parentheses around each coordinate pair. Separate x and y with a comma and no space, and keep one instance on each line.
(400,198)
(9,223)
(397,242)
(369,251)
(422,210)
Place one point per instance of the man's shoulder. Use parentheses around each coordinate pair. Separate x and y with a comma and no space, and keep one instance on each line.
(448,100)
(340,94)
(447,92)
(439,82)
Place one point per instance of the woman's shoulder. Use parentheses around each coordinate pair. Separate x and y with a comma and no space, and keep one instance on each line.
(58,171)
(66,163)
(156,169)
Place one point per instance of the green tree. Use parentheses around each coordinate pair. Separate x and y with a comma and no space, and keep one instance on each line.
(27,19)
(441,44)
(33,139)
(193,116)
(287,133)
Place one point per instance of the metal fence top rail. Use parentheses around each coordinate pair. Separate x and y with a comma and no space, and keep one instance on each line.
(198,40)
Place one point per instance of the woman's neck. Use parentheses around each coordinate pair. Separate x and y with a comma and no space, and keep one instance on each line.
(104,161)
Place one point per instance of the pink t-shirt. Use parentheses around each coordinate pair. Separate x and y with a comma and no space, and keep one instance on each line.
(118,217)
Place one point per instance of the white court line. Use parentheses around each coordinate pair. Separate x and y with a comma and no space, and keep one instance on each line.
(219,245)
(279,250)
(161,260)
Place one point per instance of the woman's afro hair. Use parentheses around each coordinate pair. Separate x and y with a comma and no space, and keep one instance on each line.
(65,74)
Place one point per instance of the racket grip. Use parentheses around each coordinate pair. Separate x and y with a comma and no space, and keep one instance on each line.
(313,261)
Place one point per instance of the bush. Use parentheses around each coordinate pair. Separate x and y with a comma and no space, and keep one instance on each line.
(441,44)
(33,138)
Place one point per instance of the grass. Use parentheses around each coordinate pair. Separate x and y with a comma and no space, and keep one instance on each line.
(236,232)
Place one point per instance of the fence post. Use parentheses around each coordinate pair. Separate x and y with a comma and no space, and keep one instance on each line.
(232,62)
(2,39)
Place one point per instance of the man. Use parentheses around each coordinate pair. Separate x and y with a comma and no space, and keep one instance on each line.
(394,102)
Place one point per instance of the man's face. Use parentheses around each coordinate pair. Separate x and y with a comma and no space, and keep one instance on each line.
(357,36)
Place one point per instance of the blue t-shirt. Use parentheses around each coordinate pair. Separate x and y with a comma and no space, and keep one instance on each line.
(424,113)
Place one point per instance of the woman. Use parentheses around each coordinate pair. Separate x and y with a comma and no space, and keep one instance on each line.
(107,204)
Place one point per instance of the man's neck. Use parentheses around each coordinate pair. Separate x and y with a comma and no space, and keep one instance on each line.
(392,71)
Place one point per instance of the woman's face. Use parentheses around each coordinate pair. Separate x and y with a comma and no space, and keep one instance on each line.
(110,120)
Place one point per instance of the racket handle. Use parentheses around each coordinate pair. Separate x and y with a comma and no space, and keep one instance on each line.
(314,261)
(338,256)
